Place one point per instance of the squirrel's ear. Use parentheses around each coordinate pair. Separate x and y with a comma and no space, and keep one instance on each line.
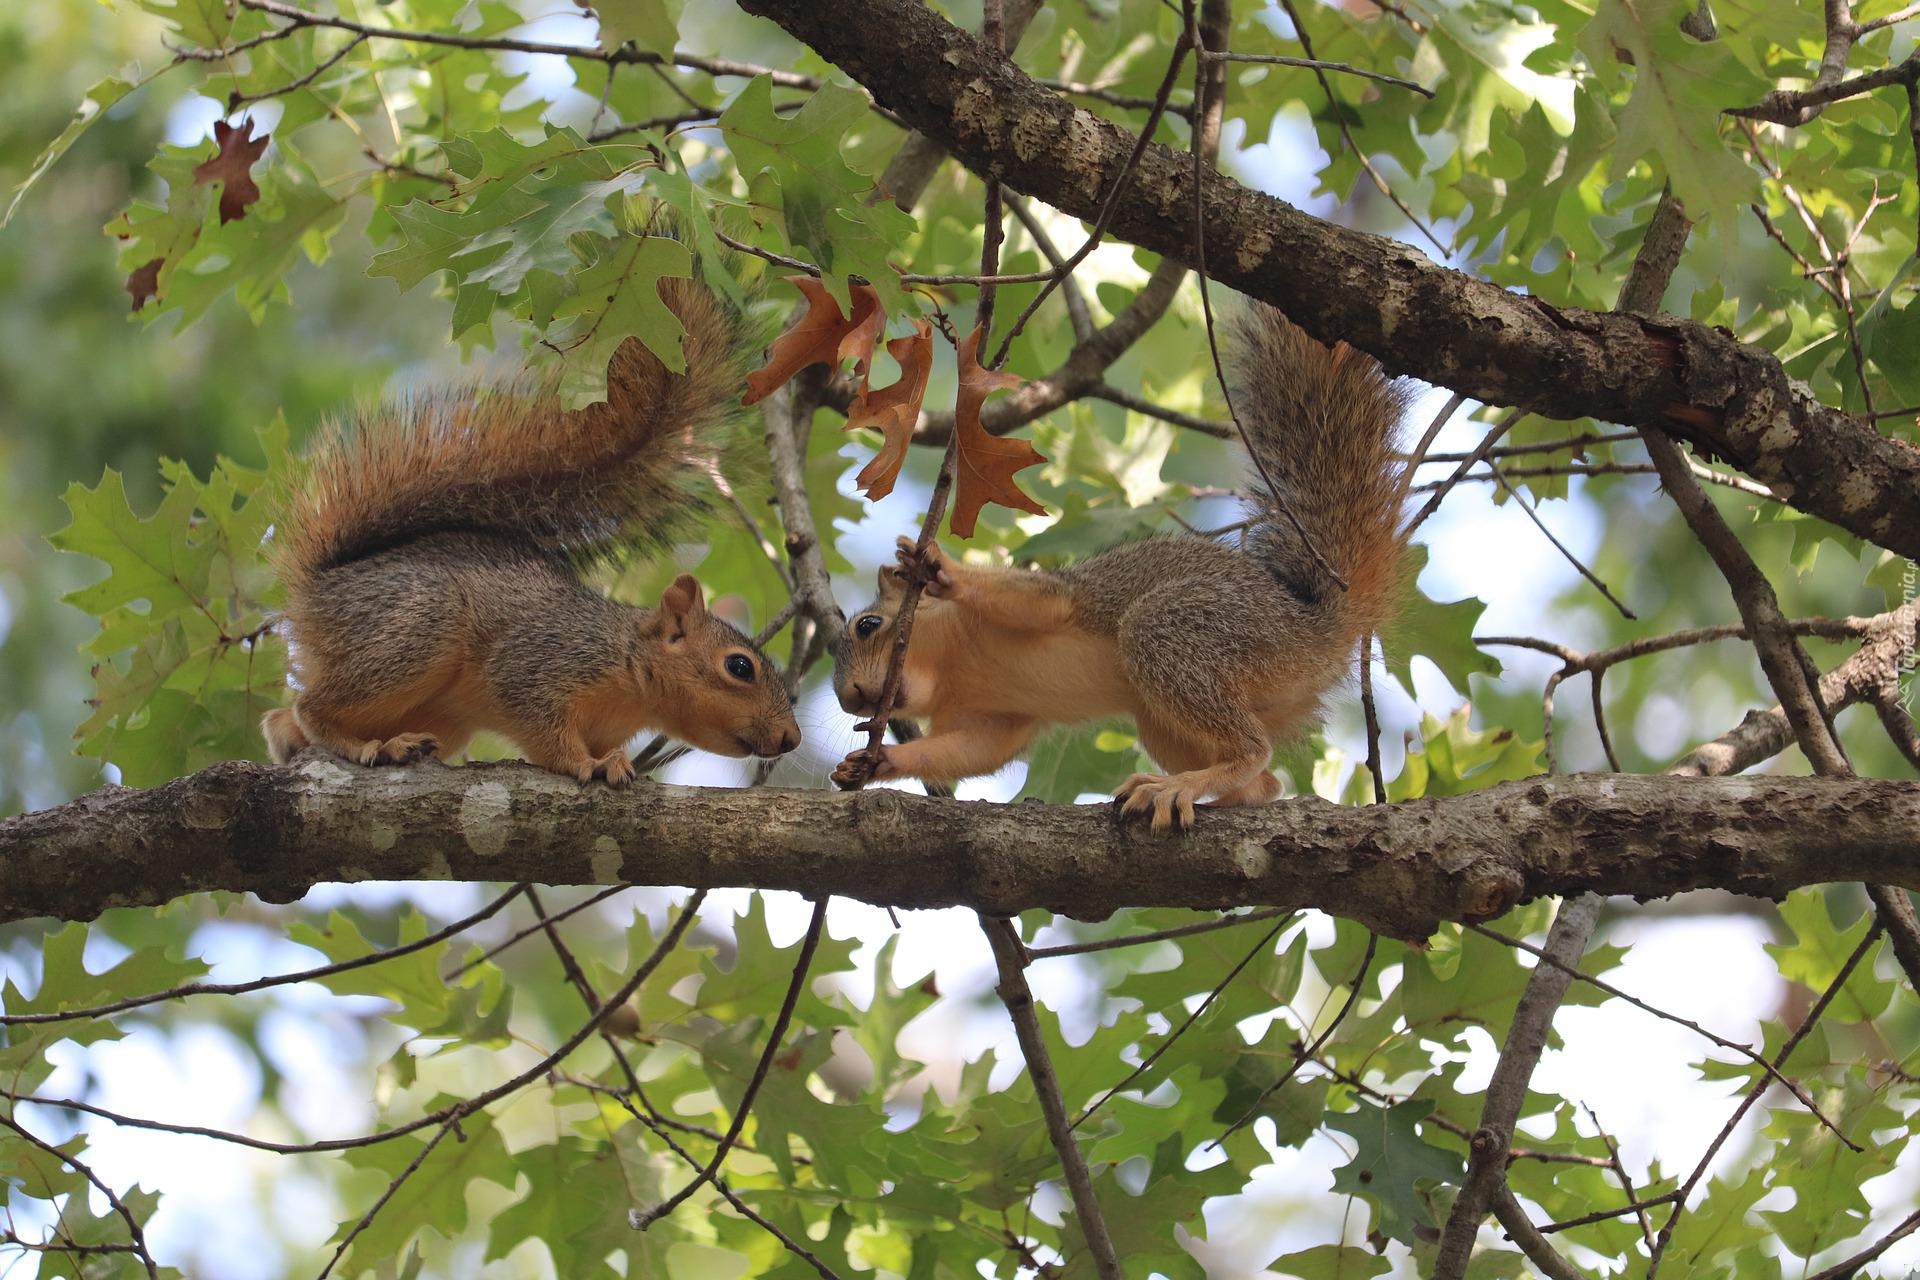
(892,583)
(682,604)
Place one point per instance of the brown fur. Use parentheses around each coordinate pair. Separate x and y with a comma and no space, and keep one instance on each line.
(1214,653)
(432,555)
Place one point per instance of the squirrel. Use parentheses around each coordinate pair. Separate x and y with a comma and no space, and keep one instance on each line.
(432,559)
(1215,653)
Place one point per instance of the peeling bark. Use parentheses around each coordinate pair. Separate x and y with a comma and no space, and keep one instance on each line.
(1728,399)
(1400,868)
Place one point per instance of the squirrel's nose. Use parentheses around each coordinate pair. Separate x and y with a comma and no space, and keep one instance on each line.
(789,740)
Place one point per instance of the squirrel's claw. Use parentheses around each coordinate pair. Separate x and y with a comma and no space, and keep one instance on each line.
(613,768)
(404,748)
(1168,800)
(859,768)
(926,564)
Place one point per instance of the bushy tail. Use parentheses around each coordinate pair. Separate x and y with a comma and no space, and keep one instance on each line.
(1322,423)
(510,460)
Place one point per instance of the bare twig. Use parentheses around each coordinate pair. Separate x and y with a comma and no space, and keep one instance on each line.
(1534,515)
(1340,119)
(1848,1267)
(1099,229)
(1536,1246)
(1487,442)
(237,99)
(276,980)
(1626,1180)
(1010,956)
(642,1219)
(1311,1052)
(1600,984)
(1158,935)
(1375,770)
(625,53)
(1753,1094)
(1321,64)
(137,1237)
(1173,1035)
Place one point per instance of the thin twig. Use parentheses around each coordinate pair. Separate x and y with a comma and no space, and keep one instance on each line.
(1532,514)
(1340,121)
(1626,1181)
(653,1118)
(1753,1094)
(1487,442)
(1321,64)
(276,980)
(1849,1267)
(639,1219)
(512,938)
(1111,204)
(1536,1246)
(1311,1052)
(134,1233)
(625,53)
(1010,956)
(451,1125)
(237,99)
(1575,973)
(1173,1036)
(1158,935)
(1375,770)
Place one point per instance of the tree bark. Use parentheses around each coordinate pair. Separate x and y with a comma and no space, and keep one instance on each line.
(1726,398)
(1400,869)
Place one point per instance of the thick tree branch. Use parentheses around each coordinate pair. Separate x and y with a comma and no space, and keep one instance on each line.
(1722,396)
(1400,869)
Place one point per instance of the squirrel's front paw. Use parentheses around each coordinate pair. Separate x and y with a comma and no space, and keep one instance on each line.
(613,768)
(1167,799)
(860,768)
(929,564)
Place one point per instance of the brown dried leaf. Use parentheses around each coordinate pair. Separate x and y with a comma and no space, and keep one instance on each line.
(233,167)
(144,282)
(821,336)
(983,464)
(893,410)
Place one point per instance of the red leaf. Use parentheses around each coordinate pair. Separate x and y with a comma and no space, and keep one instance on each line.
(893,410)
(983,464)
(144,282)
(821,336)
(232,167)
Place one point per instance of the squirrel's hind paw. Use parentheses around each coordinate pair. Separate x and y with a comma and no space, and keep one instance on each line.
(406,748)
(1169,800)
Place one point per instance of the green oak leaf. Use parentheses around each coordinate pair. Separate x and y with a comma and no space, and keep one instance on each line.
(433,1196)
(1390,1159)
(1443,632)
(93,106)
(646,23)
(1331,1262)
(1672,114)
(797,174)
(615,298)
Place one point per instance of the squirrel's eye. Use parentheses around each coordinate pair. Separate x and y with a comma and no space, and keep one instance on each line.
(740,667)
(864,627)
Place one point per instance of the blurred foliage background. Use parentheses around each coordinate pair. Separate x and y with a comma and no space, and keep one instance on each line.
(83,389)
